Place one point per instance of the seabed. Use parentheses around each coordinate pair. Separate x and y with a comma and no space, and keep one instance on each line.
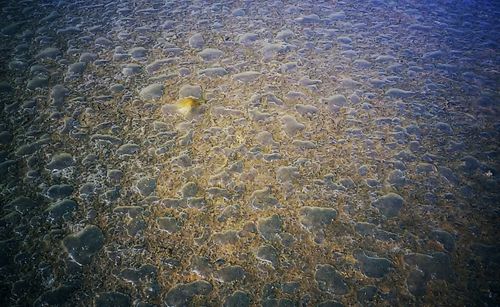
(249,153)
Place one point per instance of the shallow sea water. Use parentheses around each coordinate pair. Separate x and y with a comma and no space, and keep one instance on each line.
(249,153)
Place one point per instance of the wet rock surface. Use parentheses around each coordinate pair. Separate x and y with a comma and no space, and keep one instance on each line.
(241,153)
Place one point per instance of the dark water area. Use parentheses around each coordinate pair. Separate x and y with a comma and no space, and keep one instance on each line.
(249,153)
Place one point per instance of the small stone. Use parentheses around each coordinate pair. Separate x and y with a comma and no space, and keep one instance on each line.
(188,90)
(269,254)
(398,93)
(58,94)
(138,53)
(168,224)
(291,126)
(76,69)
(329,280)
(59,191)
(190,189)
(61,161)
(247,76)
(22,204)
(389,205)
(270,228)
(182,294)
(112,299)
(61,210)
(237,299)
(152,92)
(230,274)
(38,82)
(131,69)
(316,218)
(196,41)
(128,149)
(146,186)
(49,53)
(210,54)
(373,266)
(82,246)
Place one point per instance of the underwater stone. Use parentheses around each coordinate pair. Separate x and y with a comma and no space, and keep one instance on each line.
(444,238)
(146,186)
(59,191)
(367,294)
(213,72)
(49,53)
(306,109)
(76,69)
(61,161)
(211,54)
(270,228)
(247,38)
(131,69)
(190,189)
(315,218)
(168,224)
(287,173)
(373,266)
(247,76)
(61,210)
(329,280)
(56,297)
(138,52)
(152,91)
(227,237)
(22,204)
(112,299)
(268,253)
(435,266)
(38,82)
(196,41)
(237,299)
(398,93)
(230,274)
(128,149)
(389,205)
(336,100)
(114,175)
(144,273)
(58,94)
(291,126)
(88,57)
(182,294)
(82,246)
(265,138)
(188,90)
(284,35)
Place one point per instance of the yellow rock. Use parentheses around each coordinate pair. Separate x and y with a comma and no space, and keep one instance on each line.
(186,105)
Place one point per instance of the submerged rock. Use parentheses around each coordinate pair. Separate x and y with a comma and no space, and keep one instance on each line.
(83,245)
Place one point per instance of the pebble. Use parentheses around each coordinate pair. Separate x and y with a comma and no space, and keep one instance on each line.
(61,210)
(230,274)
(237,299)
(291,126)
(49,53)
(247,76)
(83,245)
(210,54)
(182,294)
(146,186)
(316,218)
(330,280)
(270,228)
(60,161)
(112,299)
(389,205)
(196,41)
(152,91)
